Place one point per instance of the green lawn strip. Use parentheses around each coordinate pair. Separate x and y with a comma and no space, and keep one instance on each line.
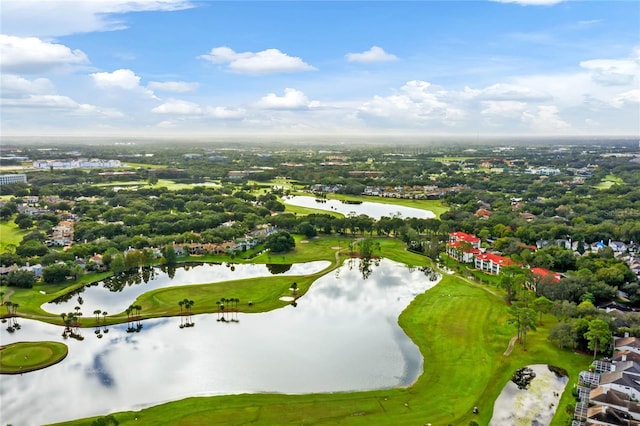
(30,300)
(10,234)
(264,294)
(143,166)
(303,211)
(608,181)
(22,357)
(462,333)
(162,183)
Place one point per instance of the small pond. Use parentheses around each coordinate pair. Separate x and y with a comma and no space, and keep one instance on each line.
(373,210)
(114,295)
(535,405)
(343,335)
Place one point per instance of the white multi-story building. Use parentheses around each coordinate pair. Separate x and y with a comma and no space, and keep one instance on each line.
(13,178)
(81,163)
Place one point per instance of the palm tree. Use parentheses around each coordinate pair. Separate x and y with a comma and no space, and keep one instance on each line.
(97,313)
(104,317)
(294,287)
(181,303)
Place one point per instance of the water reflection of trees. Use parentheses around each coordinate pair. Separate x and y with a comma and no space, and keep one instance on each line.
(228,310)
(365,265)
(186,314)
(170,270)
(118,282)
(275,268)
(68,296)
(134,324)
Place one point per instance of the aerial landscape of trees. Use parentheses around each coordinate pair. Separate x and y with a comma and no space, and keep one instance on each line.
(574,211)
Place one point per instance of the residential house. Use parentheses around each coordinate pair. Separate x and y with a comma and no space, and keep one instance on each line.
(628,344)
(463,247)
(542,275)
(482,213)
(618,246)
(492,263)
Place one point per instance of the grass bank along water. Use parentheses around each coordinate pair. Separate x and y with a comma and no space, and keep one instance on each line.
(462,333)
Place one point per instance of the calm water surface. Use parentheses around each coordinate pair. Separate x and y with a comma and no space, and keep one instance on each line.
(373,210)
(535,405)
(342,336)
(115,295)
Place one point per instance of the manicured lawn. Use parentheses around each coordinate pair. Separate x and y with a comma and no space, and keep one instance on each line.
(459,326)
(143,165)
(608,181)
(462,333)
(307,210)
(162,183)
(22,357)
(10,234)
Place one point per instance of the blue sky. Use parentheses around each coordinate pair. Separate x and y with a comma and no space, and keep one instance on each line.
(164,67)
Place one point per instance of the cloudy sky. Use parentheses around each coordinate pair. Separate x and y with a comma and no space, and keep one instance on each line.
(162,67)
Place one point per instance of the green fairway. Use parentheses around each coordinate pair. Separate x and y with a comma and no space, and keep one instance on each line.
(460,327)
(462,333)
(162,183)
(23,357)
(608,181)
(10,234)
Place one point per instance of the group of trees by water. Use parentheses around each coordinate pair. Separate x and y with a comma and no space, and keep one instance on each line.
(548,222)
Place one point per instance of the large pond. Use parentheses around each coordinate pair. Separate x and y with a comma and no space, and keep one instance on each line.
(116,294)
(373,210)
(343,335)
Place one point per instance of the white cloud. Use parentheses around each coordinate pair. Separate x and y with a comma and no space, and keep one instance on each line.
(417,104)
(375,54)
(531,2)
(58,18)
(121,79)
(32,55)
(630,97)
(176,106)
(292,99)
(23,95)
(268,61)
(511,109)
(225,113)
(614,72)
(545,119)
(510,92)
(16,86)
(60,103)
(173,86)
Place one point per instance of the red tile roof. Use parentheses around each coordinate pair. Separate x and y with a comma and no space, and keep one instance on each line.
(500,260)
(463,236)
(541,272)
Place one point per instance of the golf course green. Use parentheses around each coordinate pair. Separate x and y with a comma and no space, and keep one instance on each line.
(23,357)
